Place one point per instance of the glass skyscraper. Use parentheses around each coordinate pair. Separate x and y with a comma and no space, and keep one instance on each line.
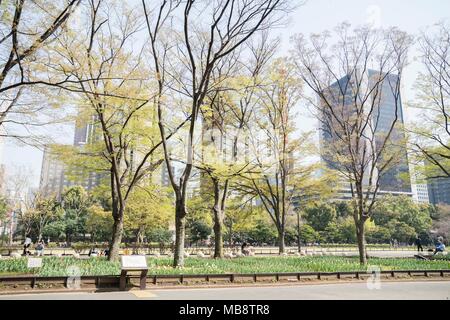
(389,111)
(384,110)
(439,191)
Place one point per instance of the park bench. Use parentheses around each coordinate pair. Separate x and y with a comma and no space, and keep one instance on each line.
(429,256)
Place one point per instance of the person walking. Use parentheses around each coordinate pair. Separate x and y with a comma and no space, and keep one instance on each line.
(419,244)
(27,243)
(244,249)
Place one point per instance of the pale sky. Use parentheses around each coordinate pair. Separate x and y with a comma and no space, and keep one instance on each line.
(315,16)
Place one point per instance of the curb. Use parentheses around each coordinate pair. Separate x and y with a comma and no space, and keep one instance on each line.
(187,286)
(205,287)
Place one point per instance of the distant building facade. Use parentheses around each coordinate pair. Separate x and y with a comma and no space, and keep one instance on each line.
(439,191)
(397,179)
(52,180)
(55,176)
(421,193)
(419,187)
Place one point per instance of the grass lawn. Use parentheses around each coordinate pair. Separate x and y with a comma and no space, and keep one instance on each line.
(100,266)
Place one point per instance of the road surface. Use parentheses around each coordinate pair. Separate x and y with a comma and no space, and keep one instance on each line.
(430,290)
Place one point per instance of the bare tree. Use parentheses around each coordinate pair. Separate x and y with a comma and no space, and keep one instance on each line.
(19,197)
(431,137)
(224,156)
(208,32)
(281,177)
(109,83)
(25,28)
(355,93)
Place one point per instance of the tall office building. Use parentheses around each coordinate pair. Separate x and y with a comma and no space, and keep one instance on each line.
(389,108)
(55,176)
(421,193)
(341,95)
(162,178)
(419,188)
(84,135)
(52,175)
(439,191)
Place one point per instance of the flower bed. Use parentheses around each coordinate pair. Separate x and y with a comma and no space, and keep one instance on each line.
(159,266)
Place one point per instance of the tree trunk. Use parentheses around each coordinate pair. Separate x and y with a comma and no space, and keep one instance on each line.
(360,233)
(3,233)
(11,237)
(180,232)
(218,222)
(230,230)
(281,244)
(299,240)
(218,238)
(116,240)
(140,235)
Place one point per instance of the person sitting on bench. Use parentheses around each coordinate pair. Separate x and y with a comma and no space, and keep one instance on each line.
(440,247)
(244,249)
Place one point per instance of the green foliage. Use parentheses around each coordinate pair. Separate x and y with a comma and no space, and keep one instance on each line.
(199,231)
(55,230)
(148,209)
(308,234)
(393,218)
(343,209)
(60,267)
(3,207)
(331,234)
(404,233)
(262,233)
(99,223)
(159,235)
(45,212)
(241,219)
(404,218)
(441,221)
(320,215)
(199,222)
(379,235)
(347,231)
(75,202)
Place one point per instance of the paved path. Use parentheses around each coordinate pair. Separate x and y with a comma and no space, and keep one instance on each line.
(439,290)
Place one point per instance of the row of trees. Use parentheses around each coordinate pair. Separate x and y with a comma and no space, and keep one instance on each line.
(196,85)
(395,218)
(82,217)
(79,216)
(398,218)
